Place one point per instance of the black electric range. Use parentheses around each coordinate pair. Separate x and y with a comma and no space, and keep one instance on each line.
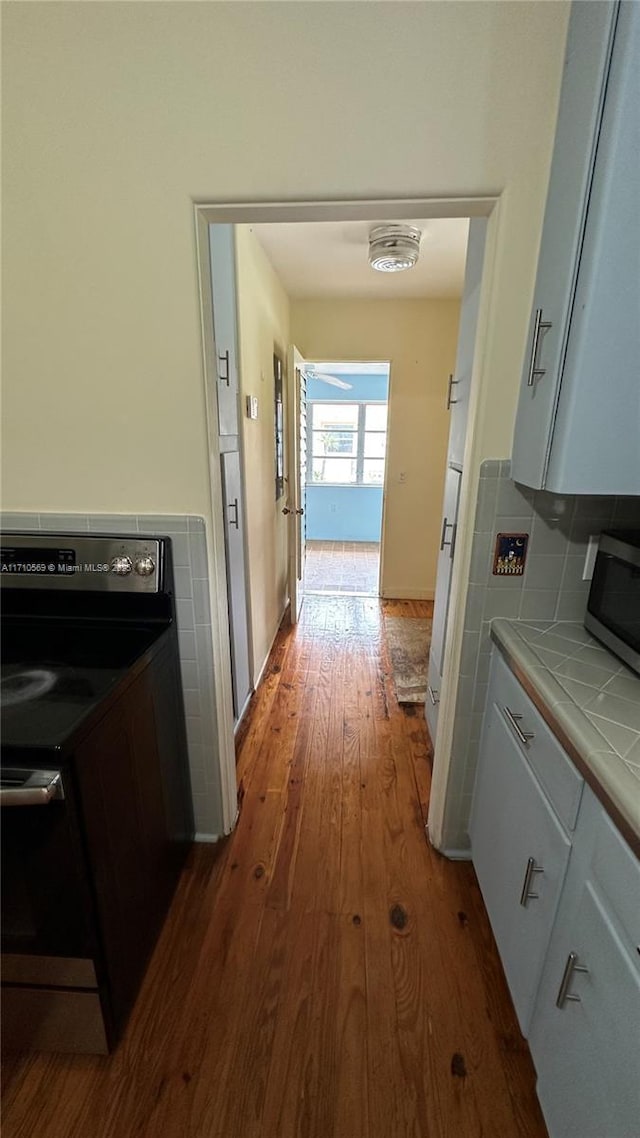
(95,793)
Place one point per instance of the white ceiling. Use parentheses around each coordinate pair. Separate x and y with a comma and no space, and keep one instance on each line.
(329,259)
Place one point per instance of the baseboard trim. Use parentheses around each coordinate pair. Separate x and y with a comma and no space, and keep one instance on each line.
(258,679)
(456,855)
(390,594)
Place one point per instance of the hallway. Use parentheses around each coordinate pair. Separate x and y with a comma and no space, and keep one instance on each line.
(324,973)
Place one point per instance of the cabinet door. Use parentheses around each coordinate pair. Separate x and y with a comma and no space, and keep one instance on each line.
(445,565)
(581,101)
(236,579)
(520,854)
(460,384)
(223,288)
(432,702)
(586,1053)
(596,441)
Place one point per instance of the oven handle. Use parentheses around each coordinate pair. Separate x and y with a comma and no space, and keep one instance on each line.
(41,788)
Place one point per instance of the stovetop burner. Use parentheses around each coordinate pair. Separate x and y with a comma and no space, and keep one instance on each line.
(70,638)
(25,685)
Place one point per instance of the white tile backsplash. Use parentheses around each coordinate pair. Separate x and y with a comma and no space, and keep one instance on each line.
(550,589)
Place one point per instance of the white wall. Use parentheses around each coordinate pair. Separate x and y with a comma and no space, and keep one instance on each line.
(263,318)
(117,116)
(419,338)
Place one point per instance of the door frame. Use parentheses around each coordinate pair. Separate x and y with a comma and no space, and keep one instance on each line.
(243,213)
(296,543)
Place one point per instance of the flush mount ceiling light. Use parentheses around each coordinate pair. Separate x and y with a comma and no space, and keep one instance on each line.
(393,248)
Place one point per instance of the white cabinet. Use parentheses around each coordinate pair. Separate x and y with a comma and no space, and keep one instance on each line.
(443,590)
(236,580)
(520,849)
(562,890)
(458,403)
(585,1037)
(578,420)
(460,380)
(223,288)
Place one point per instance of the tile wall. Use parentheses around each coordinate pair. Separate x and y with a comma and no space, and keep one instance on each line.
(550,589)
(194,635)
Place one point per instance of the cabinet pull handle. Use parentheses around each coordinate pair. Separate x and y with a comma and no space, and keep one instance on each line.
(452,383)
(563,991)
(233,521)
(225,360)
(513,719)
(526,895)
(539,325)
(434,695)
(446,524)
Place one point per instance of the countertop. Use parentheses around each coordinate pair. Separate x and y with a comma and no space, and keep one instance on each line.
(591,702)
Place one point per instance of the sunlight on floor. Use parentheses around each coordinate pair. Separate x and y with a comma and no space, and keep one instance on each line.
(349,567)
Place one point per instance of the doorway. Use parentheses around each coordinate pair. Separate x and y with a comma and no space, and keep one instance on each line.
(346,425)
(363,212)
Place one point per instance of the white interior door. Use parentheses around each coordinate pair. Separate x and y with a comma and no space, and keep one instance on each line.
(296,477)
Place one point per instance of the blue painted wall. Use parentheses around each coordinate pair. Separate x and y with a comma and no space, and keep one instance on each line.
(345,513)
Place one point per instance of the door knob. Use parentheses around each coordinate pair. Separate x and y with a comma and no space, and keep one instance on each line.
(286,510)
(299,511)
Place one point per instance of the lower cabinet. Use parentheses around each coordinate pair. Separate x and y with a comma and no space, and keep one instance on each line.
(562,890)
(585,1034)
(520,854)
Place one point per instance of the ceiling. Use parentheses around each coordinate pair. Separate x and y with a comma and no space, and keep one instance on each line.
(329,259)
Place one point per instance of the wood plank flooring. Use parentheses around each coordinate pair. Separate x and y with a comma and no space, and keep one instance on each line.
(323,974)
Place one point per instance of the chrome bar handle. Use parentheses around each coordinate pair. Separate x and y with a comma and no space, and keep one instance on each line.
(233,521)
(225,360)
(563,991)
(526,895)
(539,325)
(446,524)
(434,695)
(41,788)
(513,719)
(452,383)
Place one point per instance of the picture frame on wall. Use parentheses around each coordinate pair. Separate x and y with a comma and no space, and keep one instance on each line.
(279,423)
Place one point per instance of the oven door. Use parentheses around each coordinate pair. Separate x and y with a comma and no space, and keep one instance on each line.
(46,903)
(50,990)
(613,609)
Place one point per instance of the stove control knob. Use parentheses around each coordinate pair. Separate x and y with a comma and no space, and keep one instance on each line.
(121,566)
(145,566)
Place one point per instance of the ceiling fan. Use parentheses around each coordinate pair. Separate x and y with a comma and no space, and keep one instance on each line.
(311,373)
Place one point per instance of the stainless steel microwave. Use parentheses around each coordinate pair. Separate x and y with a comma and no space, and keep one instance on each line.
(613,608)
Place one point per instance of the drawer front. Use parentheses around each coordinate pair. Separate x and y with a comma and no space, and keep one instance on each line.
(52,1019)
(548,760)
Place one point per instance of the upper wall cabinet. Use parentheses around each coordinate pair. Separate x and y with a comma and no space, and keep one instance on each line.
(223,288)
(578,422)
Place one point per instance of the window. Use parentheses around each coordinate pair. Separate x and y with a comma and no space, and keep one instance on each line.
(348,443)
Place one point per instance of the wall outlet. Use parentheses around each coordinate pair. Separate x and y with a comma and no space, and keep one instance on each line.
(590,558)
(402,476)
(252,407)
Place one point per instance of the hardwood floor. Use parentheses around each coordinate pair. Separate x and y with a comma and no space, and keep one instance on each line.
(325,973)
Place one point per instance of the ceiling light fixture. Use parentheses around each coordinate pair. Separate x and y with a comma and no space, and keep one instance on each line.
(393,248)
